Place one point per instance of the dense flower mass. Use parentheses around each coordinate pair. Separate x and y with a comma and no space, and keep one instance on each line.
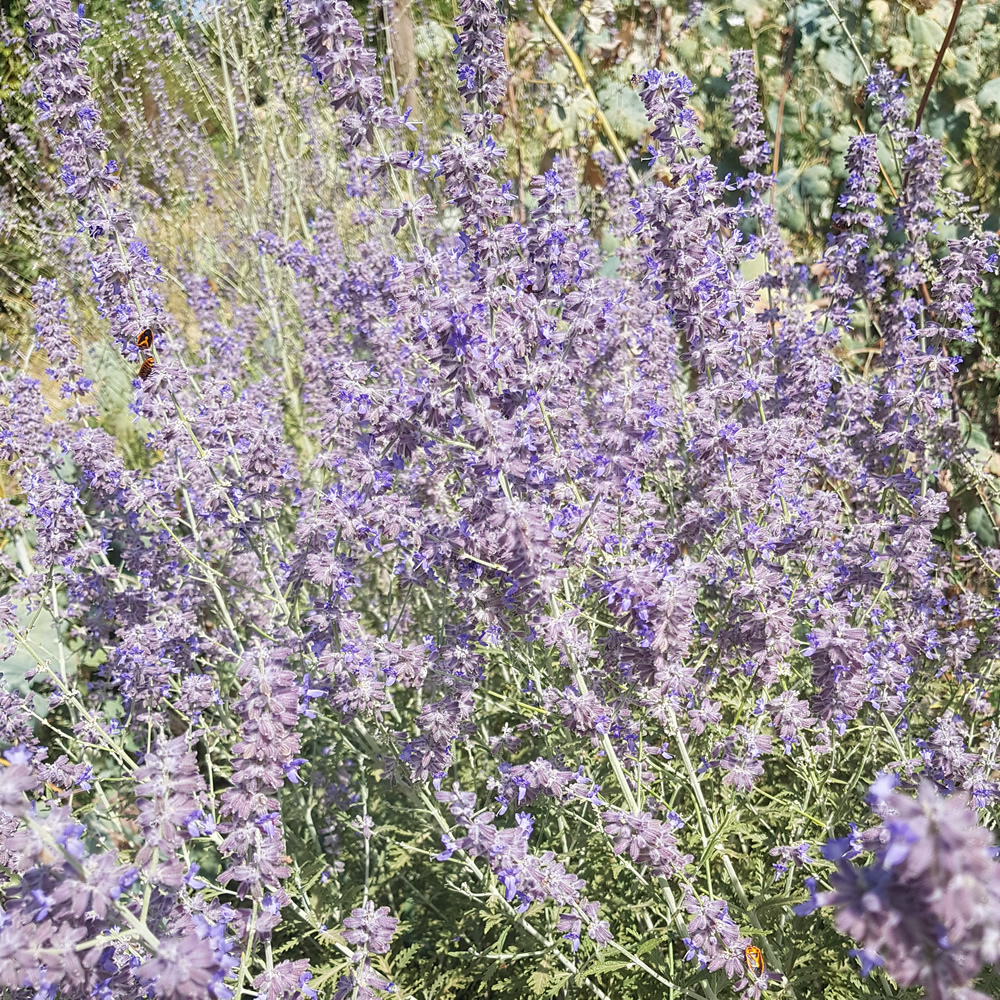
(926,906)
(449,580)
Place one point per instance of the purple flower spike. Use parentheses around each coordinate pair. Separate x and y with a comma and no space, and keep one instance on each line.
(371,929)
(482,70)
(927,906)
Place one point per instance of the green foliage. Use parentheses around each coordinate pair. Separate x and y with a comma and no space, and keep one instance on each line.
(813,56)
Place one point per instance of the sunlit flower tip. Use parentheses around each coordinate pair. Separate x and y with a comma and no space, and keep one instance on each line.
(869,960)
(812,903)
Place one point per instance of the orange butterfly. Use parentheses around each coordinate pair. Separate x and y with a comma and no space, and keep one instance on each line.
(755,959)
(145,339)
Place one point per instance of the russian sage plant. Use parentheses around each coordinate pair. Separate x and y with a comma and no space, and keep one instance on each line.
(473,604)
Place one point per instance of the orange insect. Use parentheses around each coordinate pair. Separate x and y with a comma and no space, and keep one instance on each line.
(145,368)
(145,339)
(48,784)
(755,959)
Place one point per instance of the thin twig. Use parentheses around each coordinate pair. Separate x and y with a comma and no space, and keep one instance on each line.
(581,73)
(937,62)
(850,37)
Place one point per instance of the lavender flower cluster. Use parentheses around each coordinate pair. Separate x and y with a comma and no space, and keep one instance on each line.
(926,907)
(475,590)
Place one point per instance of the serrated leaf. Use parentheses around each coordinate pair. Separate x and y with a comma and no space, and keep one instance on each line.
(558,981)
(311,879)
(491,920)
(400,959)
(777,903)
(647,945)
(538,982)
(609,965)
(282,949)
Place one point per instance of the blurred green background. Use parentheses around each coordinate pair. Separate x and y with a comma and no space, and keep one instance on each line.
(157,65)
